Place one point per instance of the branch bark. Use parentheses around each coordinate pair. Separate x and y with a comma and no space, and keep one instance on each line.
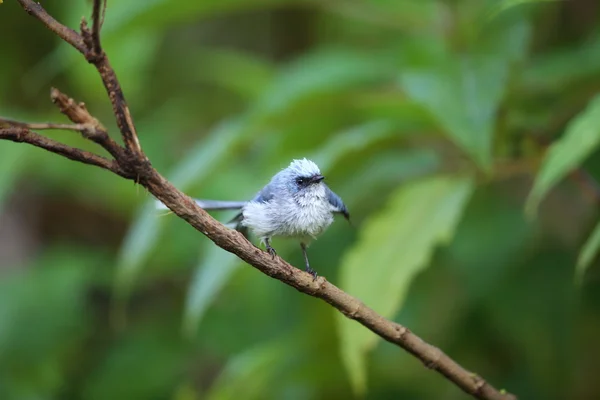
(23,135)
(131,163)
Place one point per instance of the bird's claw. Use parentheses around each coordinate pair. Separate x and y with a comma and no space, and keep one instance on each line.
(312,272)
(271,251)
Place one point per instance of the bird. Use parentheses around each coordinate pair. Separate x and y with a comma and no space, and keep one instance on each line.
(296,203)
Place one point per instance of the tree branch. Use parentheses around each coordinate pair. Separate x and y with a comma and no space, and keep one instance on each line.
(9,123)
(131,163)
(24,135)
(92,128)
(84,44)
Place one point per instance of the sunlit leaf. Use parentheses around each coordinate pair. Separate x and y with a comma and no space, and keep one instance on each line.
(587,254)
(580,139)
(463,95)
(214,270)
(394,246)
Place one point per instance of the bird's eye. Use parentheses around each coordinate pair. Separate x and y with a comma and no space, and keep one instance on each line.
(300,181)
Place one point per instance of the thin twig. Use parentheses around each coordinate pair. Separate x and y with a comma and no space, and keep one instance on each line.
(23,135)
(5,122)
(96,25)
(67,34)
(92,128)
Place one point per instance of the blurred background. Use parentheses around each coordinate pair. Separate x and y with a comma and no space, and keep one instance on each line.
(431,119)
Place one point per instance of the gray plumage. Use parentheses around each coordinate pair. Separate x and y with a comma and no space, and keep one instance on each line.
(295,203)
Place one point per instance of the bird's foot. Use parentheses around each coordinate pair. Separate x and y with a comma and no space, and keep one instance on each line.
(271,251)
(312,272)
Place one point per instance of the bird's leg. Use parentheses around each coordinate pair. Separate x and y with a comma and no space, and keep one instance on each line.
(308,268)
(270,250)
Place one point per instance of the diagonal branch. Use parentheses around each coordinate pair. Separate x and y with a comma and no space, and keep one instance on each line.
(24,135)
(234,242)
(131,163)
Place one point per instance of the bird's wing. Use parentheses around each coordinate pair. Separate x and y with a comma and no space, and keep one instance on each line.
(265,195)
(337,204)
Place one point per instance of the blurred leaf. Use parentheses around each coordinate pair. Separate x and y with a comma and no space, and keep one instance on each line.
(201,162)
(42,320)
(557,69)
(245,74)
(132,56)
(587,254)
(325,71)
(352,139)
(394,246)
(580,139)
(12,161)
(504,5)
(160,13)
(463,95)
(212,274)
(250,374)
(142,366)
(394,14)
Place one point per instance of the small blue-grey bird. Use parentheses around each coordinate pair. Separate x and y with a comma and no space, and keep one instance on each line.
(295,203)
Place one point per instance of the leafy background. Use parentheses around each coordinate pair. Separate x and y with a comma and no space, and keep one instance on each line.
(461,134)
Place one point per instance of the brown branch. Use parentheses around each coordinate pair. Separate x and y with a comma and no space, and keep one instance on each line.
(84,44)
(9,123)
(67,34)
(134,164)
(92,128)
(23,135)
(97,24)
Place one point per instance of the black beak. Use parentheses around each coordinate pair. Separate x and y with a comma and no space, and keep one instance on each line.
(317,179)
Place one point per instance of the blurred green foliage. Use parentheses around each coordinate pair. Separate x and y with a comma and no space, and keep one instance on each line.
(430,118)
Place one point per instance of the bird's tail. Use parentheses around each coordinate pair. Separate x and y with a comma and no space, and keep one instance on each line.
(219,205)
(215,205)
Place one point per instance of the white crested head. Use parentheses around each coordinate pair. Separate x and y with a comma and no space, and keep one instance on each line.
(304,168)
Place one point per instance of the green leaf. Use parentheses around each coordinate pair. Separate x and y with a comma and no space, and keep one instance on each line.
(587,254)
(504,5)
(212,274)
(580,139)
(199,164)
(353,139)
(144,364)
(395,245)
(11,164)
(463,95)
(243,73)
(163,13)
(322,72)
(558,70)
(250,374)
